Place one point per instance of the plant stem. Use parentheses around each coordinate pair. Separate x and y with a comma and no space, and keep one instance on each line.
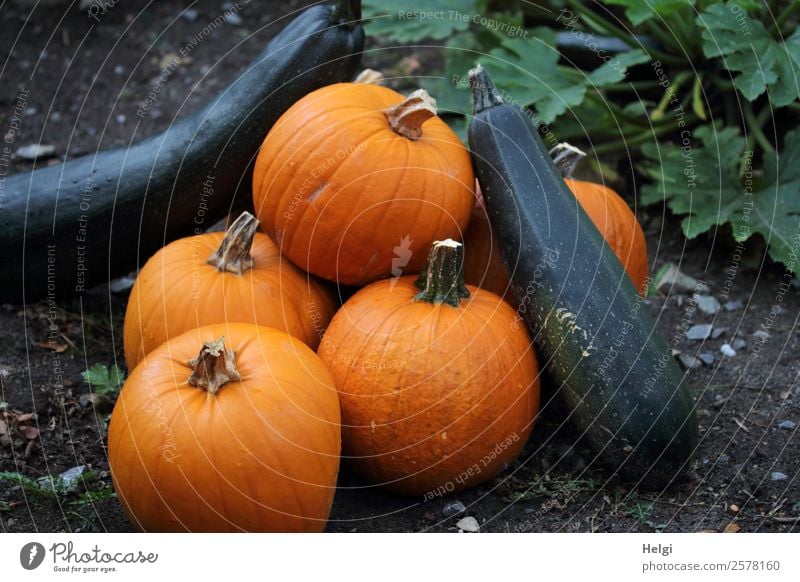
(777,26)
(624,142)
(233,255)
(442,279)
(406,118)
(214,367)
(755,128)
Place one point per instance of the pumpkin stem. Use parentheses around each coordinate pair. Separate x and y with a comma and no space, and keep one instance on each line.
(233,255)
(442,279)
(406,118)
(370,76)
(566,157)
(214,367)
(484,93)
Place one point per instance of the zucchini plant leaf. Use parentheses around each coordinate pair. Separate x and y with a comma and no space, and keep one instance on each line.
(747,48)
(414,20)
(616,69)
(701,183)
(638,11)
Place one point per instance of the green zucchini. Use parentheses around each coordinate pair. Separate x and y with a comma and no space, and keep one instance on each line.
(611,367)
(64,228)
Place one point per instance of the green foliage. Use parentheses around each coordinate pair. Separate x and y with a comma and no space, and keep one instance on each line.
(104,380)
(691,100)
(413,20)
(79,496)
(704,184)
(748,48)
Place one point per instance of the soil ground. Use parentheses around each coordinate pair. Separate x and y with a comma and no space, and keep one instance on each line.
(746,474)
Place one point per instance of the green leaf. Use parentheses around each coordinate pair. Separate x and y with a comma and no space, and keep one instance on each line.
(528,70)
(701,183)
(638,11)
(103,379)
(616,69)
(414,20)
(747,48)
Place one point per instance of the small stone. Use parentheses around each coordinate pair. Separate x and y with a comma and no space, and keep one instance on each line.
(10,522)
(672,277)
(708,304)
(733,305)
(55,117)
(70,477)
(30,111)
(101,403)
(689,361)
(119,70)
(778,476)
(761,335)
(723,459)
(468,524)
(121,118)
(700,332)
(706,358)
(727,351)
(738,343)
(35,151)
(233,18)
(454,508)
(787,425)
(733,508)
(190,14)
(718,331)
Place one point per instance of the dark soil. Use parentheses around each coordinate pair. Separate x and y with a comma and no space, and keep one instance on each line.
(84,81)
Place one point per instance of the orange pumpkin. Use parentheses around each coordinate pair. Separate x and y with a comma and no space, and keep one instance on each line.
(438,381)
(608,211)
(243,437)
(218,277)
(354,182)
(617,223)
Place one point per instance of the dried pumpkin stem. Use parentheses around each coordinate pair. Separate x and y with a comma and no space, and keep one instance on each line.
(214,367)
(406,118)
(442,279)
(233,255)
(370,77)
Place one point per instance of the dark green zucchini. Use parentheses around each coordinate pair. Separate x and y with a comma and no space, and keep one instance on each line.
(610,365)
(64,228)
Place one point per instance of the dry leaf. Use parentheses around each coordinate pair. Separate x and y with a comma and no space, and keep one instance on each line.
(53,346)
(29,432)
(732,527)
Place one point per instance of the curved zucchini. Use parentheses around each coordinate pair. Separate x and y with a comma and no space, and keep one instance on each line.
(610,365)
(64,228)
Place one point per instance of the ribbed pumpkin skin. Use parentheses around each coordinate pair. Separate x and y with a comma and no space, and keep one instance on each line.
(432,396)
(617,223)
(337,189)
(262,454)
(483,265)
(177,291)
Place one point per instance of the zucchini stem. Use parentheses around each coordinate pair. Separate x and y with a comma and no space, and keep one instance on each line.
(346,12)
(484,93)
(442,279)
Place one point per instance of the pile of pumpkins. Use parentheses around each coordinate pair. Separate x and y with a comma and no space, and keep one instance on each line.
(249,383)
